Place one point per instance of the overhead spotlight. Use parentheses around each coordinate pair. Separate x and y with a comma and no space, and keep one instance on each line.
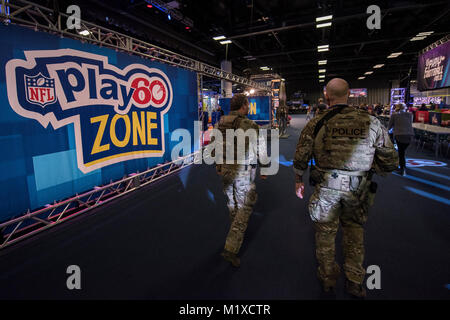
(324,18)
(323,48)
(252,91)
(322,70)
(323,25)
(219,38)
(417,38)
(378,66)
(85,32)
(225,42)
(321,76)
(427,33)
(368,72)
(361,78)
(394,55)
(322,62)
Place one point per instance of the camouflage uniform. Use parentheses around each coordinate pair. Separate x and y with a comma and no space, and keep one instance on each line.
(347,146)
(238,180)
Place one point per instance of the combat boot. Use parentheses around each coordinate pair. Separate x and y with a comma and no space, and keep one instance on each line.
(355,289)
(232,258)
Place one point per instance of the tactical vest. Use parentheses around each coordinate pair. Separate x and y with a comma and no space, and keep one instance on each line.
(346,143)
(232,122)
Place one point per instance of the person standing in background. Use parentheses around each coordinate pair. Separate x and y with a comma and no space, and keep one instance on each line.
(402,122)
(321,107)
(308,113)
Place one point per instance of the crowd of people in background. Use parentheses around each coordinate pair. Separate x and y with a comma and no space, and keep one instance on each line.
(376,109)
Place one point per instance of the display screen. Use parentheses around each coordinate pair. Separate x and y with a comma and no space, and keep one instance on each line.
(427,100)
(358,93)
(433,68)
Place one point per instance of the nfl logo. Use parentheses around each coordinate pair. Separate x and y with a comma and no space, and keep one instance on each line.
(40,90)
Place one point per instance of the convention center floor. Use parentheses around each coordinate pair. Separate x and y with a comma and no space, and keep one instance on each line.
(164,241)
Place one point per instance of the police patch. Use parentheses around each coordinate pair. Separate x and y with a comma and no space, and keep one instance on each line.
(350,132)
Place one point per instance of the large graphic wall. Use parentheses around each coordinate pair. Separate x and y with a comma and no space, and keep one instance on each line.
(74,116)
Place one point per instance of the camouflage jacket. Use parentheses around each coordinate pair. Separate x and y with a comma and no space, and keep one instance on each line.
(352,140)
(234,120)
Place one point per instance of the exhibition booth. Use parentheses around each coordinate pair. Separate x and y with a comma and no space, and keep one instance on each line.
(89,117)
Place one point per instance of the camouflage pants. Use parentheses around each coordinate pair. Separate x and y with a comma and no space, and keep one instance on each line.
(328,208)
(239,187)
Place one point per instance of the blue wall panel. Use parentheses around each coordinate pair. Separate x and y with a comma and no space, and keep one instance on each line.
(40,164)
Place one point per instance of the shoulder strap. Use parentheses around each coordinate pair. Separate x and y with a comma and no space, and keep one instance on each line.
(236,122)
(327,117)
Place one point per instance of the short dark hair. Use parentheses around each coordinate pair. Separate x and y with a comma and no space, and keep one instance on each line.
(238,101)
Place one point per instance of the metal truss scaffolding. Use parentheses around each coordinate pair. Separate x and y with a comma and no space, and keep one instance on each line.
(51,215)
(435,44)
(41,18)
(28,14)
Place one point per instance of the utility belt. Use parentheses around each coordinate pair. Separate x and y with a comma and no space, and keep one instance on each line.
(338,179)
(355,181)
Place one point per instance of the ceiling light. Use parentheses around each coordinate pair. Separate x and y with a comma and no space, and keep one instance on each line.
(322,70)
(225,42)
(321,76)
(149,6)
(394,55)
(321,80)
(252,91)
(323,50)
(361,78)
(427,33)
(417,38)
(326,46)
(378,66)
(368,72)
(84,32)
(322,62)
(219,38)
(323,25)
(324,18)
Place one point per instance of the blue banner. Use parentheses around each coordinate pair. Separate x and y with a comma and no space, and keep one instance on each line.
(259,108)
(74,116)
